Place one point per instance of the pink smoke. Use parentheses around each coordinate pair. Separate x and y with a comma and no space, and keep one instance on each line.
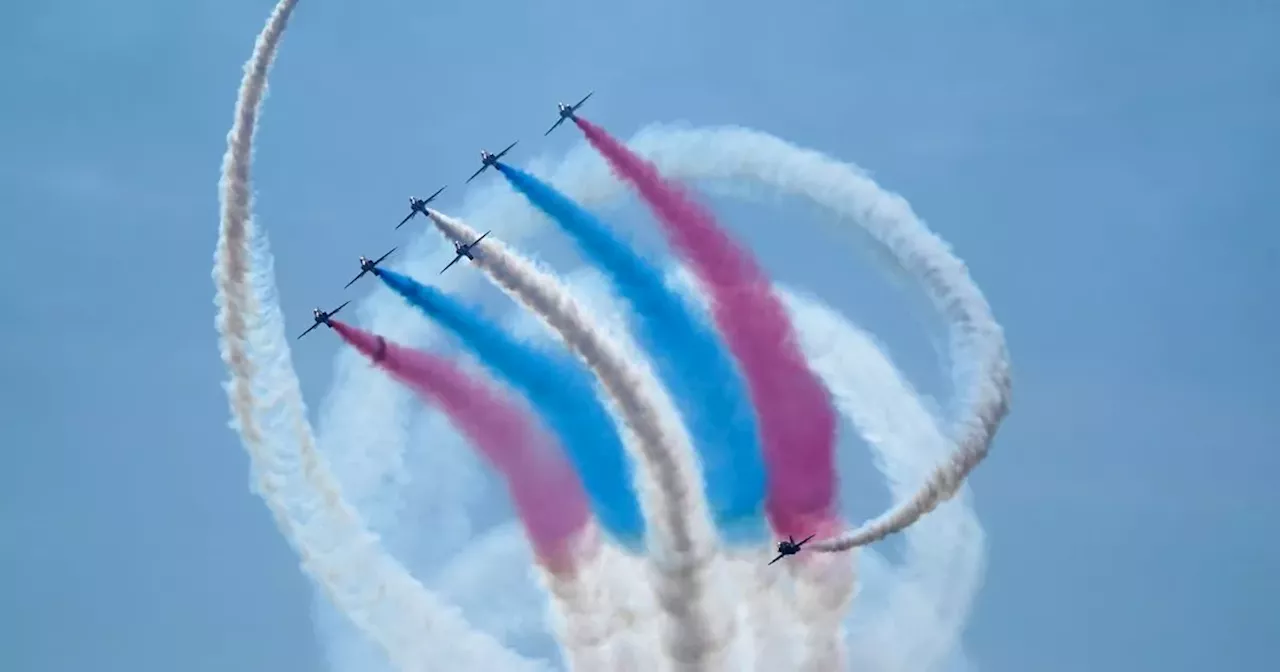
(548,497)
(797,423)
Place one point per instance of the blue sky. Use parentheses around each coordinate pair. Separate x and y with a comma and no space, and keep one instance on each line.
(1102,169)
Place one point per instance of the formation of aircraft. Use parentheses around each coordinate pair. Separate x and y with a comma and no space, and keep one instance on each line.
(419,206)
(789,546)
(322,317)
(566,112)
(488,158)
(367,266)
(786,547)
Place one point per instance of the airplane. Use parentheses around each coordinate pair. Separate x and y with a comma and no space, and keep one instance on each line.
(789,547)
(321,317)
(366,266)
(417,205)
(489,159)
(464,251)
(566,112)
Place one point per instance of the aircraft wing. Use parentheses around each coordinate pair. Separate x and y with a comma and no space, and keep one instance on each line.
(407,218)
(780,556)
(473,175)
(554,126)
(335,310)
(504,152)
(308,330)
(353,280)
(806,539)
(455,260)
(379,261)
(477,240)
(584,99)
(432,197)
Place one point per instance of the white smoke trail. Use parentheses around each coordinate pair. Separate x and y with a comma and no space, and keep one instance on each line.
(336,549)
(926,608)
(768,612)
(579,606)
(977,340)
(684,557)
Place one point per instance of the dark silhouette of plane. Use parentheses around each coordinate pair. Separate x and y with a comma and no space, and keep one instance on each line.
(488,159)
(461,251)
(367,266)
(789,547)
(566,112)
(321,317)
(417,205)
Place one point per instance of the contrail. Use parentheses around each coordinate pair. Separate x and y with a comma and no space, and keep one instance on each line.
(979,355)
(336,549)
(797,422)
(559,391)
(682,538)
(689,357)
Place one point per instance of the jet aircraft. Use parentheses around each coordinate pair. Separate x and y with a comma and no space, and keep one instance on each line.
(461,251)
(367,266)
(417,205)
(489,159)
(789,547)
(321,317)
(566,112)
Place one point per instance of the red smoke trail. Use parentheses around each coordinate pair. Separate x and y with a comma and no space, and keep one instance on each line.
(547,495)
(797,423)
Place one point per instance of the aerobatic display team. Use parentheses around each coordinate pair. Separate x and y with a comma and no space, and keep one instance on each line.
(687,472)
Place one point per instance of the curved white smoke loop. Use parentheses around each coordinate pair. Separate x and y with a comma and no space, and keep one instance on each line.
(336,549)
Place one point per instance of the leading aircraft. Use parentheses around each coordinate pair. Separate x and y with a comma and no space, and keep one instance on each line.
(321,317)
(461,251)
(367,266)
(789,547)
(489,159)
(417,205)
(566,112)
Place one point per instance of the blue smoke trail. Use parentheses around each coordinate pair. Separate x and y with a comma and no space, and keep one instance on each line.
(691,361)
(559,389)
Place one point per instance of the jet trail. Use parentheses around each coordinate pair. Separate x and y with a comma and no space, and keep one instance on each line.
(797,421)
(688,354)
(559,391)
(682,545)
(547,494)
(336,548)
(941,568)
(978,350)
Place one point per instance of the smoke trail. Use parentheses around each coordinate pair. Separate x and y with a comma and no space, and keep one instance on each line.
(682,549)
(796,418)
(558,390)
(978,351)
(689,357)
(336,549)
(547,494)
(926,608)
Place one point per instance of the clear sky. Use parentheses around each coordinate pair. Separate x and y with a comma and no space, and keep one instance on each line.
(1101,167)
